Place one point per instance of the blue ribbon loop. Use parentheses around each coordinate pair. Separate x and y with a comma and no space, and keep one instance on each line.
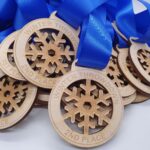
(96,35)
(7,13)
(96,42)
(29,10)
(94,17)
(133,25)
(14,14)
(75,11)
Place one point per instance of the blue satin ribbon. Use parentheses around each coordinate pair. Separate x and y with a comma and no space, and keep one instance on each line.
(93,16)
(14,14)
(5,33)
(96,34)
(133,25)
(75,11)
(96,41)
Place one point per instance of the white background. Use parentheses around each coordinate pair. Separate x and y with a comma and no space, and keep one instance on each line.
(37,133)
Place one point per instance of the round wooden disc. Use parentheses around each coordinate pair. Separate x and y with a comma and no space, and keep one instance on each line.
(116,76)
(84,118)
(128,70)
(140,56)
(128,100)
(51,58)
(7,63)
(16,100)
(141,98)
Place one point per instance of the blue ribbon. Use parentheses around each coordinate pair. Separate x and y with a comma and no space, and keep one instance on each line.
(94,17)
(7,13)
(14,14)
(75,11)
(5,33)
(96,42)
(28,10)
(96,35)
(132,25)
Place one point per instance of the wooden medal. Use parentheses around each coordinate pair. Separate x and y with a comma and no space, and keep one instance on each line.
(16,100)
(7,62)
(56,44)
(140,57)
(116,76)
(130,73)
(85,119)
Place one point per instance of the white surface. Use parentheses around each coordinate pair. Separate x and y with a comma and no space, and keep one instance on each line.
(37,133)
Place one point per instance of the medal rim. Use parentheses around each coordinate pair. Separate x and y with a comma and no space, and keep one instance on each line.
(52,103)
(24,109)
(135,47)
(122,64)
(125,91)
(22,39)
(14,73)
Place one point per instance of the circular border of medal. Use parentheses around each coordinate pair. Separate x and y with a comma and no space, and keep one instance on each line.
(125,91)
(135,47)
(56,116)
(123,66)
(25,108)
(5,65)
(22,40)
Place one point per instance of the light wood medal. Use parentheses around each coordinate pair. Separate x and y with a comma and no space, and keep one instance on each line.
(81,115)
(140,57)
(45,50)
(16,100)
(7,62)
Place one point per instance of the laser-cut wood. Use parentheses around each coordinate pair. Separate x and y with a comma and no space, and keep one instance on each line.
(16,100)
(130,72)
(53,55)
(140,56)
(116,76)
(93,111)
(7,63)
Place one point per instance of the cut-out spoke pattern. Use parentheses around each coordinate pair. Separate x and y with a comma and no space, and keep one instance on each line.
(88,105)
(132,69)
(10,55)
(12,95)
(50,53)
(114,73)
(144,59)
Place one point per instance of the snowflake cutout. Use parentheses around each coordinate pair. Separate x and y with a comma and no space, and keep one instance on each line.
(12,94)
(144,59)
(50,53)
(114,73)
(95,110)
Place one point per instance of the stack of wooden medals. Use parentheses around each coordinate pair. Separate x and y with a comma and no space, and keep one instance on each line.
(32,59)
(85,105)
